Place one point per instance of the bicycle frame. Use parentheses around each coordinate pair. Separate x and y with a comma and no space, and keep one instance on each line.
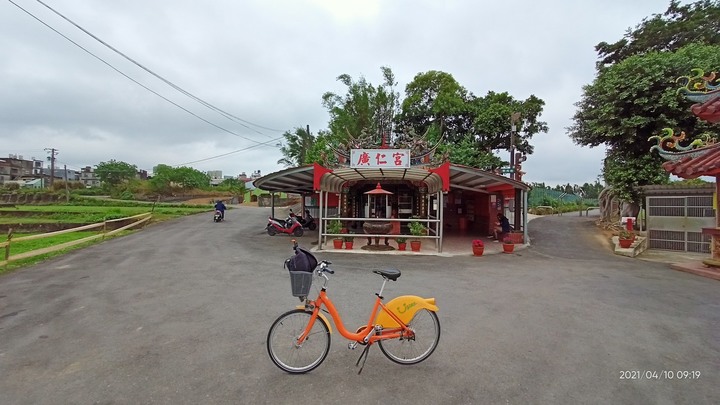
(366,335)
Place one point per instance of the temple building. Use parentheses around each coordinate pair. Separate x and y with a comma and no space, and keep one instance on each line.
(402,179)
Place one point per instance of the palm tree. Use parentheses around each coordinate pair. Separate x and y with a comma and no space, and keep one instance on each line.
(296,147)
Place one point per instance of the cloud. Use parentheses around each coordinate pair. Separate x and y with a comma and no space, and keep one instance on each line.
(270,62)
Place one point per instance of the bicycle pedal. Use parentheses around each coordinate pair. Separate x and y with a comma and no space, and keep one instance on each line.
(352,345)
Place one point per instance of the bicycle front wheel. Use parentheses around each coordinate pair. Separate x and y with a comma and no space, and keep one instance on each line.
(414,349)
(282,342)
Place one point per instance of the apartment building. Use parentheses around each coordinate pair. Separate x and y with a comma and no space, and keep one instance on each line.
(16,168)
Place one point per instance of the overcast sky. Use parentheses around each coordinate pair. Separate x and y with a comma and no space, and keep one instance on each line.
(269,62)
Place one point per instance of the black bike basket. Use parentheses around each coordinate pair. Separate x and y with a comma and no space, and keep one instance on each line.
(301,267)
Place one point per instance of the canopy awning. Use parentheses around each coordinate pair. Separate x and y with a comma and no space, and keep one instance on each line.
(300,179)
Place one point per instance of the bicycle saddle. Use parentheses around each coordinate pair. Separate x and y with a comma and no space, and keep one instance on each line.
(390,274)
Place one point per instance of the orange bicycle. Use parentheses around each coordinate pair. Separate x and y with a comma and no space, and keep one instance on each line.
(407,328)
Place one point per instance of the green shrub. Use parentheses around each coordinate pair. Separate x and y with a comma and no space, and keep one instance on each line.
(417,229)
(334,226)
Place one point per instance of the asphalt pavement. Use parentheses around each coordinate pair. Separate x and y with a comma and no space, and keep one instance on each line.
(178,313)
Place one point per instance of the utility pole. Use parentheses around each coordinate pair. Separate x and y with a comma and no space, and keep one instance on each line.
(67,190)
(513,120)
(53,152)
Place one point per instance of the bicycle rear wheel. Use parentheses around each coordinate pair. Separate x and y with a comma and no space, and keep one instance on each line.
(413,350)
(282,342)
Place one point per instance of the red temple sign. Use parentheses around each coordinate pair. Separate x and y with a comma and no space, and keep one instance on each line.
(380,158)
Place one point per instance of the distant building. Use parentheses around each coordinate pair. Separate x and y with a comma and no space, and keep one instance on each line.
(15,168)
(88,177)
(60,174)
(216,177)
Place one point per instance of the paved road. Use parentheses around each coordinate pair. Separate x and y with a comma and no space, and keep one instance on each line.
(178,314)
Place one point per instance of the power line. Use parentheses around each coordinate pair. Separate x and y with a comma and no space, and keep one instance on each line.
(169,83)
(228,153)
(133,80)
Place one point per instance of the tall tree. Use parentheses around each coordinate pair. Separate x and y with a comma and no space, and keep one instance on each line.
(189,178)
(115,172)
(297,145)
(492,126)
(166,177)
(633,100)
(435,100)
(634,94)
(364,109)
(472,126)
(677,27)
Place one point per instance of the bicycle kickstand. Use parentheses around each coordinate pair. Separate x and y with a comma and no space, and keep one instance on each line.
(363,357)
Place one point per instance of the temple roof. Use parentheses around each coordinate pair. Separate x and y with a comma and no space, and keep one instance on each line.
(300,179)
(702,162)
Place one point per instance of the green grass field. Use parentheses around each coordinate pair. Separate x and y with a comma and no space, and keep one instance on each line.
(90,214)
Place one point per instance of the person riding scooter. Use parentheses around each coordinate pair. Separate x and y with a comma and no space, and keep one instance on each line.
(219,206)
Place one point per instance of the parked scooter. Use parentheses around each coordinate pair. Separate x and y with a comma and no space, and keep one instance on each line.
(290,226)
(218,216)
(307,221)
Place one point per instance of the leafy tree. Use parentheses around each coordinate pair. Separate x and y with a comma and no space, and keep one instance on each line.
(319,152)
(363,109)
(161,179)
(634,94)
(591,191)
(465,152)
(114,172)
(232,185)
(436,103)
(679,26)
(491,121)
(296,147)
(633,100)
(691,182)
(165,177)
(435,99)
(189,178)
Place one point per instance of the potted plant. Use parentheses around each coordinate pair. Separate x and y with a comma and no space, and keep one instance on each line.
(402,243)
(416,229)
(334,227)
(508,245)
(625,238)
(348,241)
(478,247)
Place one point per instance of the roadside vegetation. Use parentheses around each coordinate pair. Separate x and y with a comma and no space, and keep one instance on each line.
(80,210)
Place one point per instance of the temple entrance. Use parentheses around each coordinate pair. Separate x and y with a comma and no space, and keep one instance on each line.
(400,202)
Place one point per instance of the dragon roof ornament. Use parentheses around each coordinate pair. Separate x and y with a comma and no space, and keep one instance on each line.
(704,90)
(421,151)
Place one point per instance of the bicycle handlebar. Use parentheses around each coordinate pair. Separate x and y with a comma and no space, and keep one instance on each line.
(324,267)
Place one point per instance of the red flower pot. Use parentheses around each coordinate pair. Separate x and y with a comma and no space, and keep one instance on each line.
(478,251)
(415,245)
(508,247)
(626,243)
(337,243)
(402,245)
(349,245)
